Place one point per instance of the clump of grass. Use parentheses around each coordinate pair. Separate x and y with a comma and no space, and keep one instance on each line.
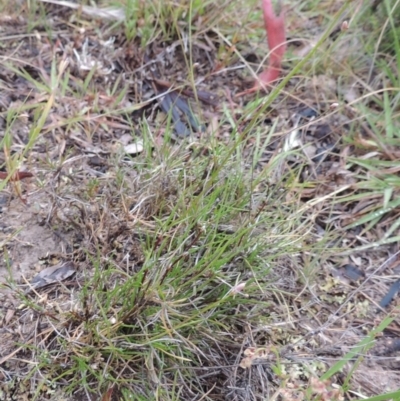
(377,187)
(155,320)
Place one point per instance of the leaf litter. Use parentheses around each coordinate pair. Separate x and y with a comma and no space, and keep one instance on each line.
(120,73)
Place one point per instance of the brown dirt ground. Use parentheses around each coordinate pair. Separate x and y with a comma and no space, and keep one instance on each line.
(34,240)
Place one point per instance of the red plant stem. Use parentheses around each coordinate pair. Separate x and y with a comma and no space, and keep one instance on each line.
(276,38)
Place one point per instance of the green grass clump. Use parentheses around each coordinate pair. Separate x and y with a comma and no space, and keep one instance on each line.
(153,326)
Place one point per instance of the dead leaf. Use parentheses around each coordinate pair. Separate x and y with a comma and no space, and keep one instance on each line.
(52,274)
(246,362)
(9,315)
(253,353)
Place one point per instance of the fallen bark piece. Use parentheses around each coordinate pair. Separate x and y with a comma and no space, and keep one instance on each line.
(276,38)
(17,176)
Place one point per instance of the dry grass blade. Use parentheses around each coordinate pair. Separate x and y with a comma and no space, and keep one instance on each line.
(114,14)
